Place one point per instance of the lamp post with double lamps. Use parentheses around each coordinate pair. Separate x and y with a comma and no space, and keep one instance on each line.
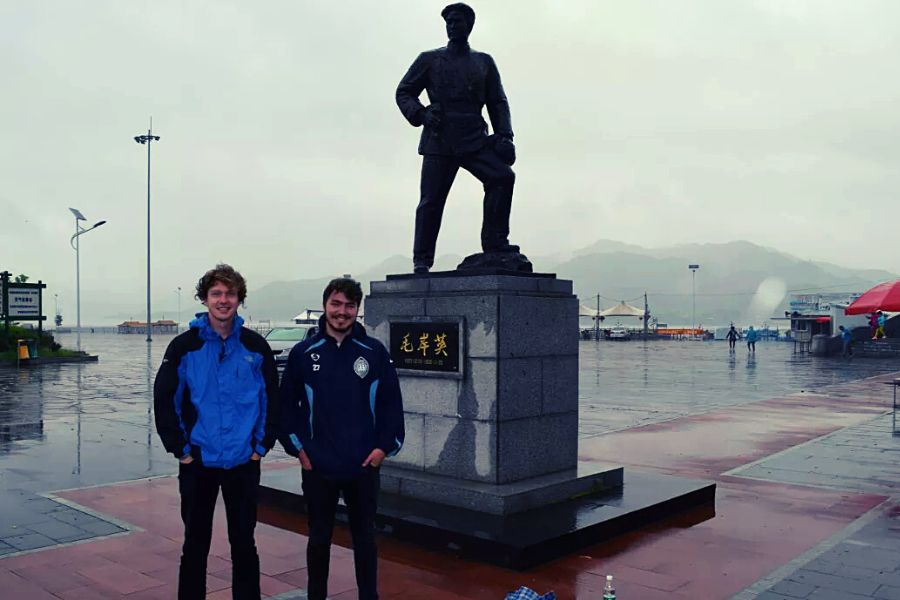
(693,269)
(73,241)
(146,139)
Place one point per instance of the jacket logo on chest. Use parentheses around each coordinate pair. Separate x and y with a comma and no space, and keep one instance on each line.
(361,367)
(314,356)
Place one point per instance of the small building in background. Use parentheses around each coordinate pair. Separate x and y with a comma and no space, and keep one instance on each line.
(160,326)
(821,314)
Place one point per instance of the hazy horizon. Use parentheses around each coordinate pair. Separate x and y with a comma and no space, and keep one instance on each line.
(669,279)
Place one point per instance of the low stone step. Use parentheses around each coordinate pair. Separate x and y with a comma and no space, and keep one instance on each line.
(526,539)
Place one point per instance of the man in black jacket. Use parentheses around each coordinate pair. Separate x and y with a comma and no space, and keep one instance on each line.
(341,415)
(459,82)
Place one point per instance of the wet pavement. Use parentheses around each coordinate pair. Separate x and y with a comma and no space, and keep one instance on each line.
(792,440)
(628,384)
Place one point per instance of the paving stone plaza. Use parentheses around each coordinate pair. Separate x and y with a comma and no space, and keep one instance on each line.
(800,448)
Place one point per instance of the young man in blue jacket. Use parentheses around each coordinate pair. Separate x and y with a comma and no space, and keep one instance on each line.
(341,415)
(215,398)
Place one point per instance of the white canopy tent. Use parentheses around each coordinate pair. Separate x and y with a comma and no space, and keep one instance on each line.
(622,310)
(308,316)
(586,311)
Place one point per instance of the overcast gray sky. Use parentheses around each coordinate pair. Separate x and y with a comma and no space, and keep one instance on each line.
(282,152)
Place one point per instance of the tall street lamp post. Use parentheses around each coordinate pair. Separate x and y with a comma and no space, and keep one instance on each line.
(73,241)
(693,269)
(146,139)
(178,325)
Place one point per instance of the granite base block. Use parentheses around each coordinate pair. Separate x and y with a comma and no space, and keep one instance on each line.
(430,396)
(502,499)
(468,282)
(525,539)
(519,394)
(559,384)
(536,446)
(461,448)
(478,392)
(412,454)
(537,326)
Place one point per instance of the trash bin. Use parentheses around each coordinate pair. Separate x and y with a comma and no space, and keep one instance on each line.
(822,345)
(26,349)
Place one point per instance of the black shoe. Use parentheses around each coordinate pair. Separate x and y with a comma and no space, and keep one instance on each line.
(420,269)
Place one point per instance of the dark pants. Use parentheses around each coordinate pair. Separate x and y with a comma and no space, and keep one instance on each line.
(438,173)
(361,497)
(199,487)
(847,350)
(751,346)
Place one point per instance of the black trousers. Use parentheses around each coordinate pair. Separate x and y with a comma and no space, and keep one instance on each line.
(361,497)
(438,173)
(199,487)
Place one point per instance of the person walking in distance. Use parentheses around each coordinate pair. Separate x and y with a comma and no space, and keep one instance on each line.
(215,398)
(732,337)
(752,336)
(342,414)
(881,321)
(846,341)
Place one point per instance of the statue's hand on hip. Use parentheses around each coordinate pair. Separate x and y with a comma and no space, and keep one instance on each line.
(432,117)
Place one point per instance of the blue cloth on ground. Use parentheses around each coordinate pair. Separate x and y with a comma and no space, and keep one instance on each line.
(525,593)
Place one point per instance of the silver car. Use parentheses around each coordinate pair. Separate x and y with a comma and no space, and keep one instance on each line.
(282,339)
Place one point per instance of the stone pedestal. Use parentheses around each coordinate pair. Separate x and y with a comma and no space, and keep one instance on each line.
(489,469)
(500,435)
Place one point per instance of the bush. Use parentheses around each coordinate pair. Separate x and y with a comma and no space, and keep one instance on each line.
(8,340)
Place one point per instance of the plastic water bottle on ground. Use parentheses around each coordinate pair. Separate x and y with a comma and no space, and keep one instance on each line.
(609,591)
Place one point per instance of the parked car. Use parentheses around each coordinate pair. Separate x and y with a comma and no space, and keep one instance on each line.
(282,339)
(619,333)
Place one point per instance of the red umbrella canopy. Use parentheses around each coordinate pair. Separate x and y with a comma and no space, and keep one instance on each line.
(884,296)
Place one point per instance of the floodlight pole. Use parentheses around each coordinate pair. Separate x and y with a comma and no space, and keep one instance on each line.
(693,269)
(146,139)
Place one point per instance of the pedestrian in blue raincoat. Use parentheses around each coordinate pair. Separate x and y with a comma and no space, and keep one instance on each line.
(846,340)
(752,336)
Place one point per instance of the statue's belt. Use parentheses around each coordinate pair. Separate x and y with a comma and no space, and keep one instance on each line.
(461,113)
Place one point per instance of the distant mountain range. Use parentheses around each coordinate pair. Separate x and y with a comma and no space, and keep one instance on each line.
(737,281)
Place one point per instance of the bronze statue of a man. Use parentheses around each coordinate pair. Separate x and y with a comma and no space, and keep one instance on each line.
(460,82)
